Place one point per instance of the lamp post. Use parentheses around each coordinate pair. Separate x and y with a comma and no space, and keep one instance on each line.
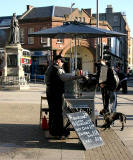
(71,60)
(97,24)
(97,17)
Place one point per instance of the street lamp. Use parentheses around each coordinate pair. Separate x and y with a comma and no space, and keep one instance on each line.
(72,4)
(71,61)
(97,17)
(97,24)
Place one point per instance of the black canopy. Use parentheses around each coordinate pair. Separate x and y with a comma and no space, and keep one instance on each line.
(75,29)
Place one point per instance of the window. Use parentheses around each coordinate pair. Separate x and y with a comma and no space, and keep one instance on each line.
(45,41)
(79,19)
(22,35)
(115,19)
(83,19)
(61,40)
(30,39)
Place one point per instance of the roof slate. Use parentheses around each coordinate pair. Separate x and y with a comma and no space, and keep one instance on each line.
(40,12)
(43,12)
(61,11)
(6,20)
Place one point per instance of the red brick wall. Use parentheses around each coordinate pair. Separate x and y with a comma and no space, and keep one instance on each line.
(37,40)
(48,23)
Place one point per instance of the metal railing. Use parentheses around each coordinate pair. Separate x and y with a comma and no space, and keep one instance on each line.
(12,81)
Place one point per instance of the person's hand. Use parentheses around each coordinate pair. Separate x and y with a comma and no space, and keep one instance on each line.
(81,76)
(102,85)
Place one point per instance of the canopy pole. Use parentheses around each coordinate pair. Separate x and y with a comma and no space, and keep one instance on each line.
(71,57)
(75,53)
(76,81)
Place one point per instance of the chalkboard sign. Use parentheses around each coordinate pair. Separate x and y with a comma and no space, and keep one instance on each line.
(85,129)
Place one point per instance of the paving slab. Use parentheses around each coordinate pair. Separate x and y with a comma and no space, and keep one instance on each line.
(22,139)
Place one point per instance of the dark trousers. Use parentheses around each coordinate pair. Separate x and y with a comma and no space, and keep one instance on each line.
(105,97)
(124,86)
(55,102)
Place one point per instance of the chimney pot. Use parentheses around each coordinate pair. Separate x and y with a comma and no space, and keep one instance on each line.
(29,7)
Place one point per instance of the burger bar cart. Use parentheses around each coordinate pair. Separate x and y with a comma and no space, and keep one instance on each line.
(80,97)
(79,102)
(79,112)
(79,108)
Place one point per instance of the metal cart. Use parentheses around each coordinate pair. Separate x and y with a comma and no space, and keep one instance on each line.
(79,98)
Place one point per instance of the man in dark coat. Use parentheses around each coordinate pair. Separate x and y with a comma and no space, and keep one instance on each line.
(55,77)
(108,85)
(123,79)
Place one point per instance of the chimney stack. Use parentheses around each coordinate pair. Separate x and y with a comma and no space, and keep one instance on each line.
(109,9)
(29,7)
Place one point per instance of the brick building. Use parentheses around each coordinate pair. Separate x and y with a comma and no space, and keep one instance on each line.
(37,18)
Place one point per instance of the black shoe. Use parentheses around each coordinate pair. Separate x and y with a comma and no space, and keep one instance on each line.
(66,133)
(102,126)
(64,136)
(104,111)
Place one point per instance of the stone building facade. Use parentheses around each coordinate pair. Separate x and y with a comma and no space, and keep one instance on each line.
(117,20)
(130,55)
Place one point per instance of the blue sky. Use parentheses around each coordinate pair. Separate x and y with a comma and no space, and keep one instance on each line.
(8,7)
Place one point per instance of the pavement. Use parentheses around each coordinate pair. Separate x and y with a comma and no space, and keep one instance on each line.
(22,139)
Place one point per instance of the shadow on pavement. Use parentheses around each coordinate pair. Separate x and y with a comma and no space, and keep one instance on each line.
(129,117)
(31,136)
(130,92)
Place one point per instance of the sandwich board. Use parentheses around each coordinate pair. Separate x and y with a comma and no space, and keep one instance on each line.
(85,129)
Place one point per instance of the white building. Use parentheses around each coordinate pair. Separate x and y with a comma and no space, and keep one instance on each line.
(130,54)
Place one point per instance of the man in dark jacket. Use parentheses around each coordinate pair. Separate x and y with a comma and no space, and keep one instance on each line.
(123,79)
(108,85)
(55,77)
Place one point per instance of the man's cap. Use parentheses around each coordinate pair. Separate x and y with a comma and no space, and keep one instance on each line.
(60,57)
